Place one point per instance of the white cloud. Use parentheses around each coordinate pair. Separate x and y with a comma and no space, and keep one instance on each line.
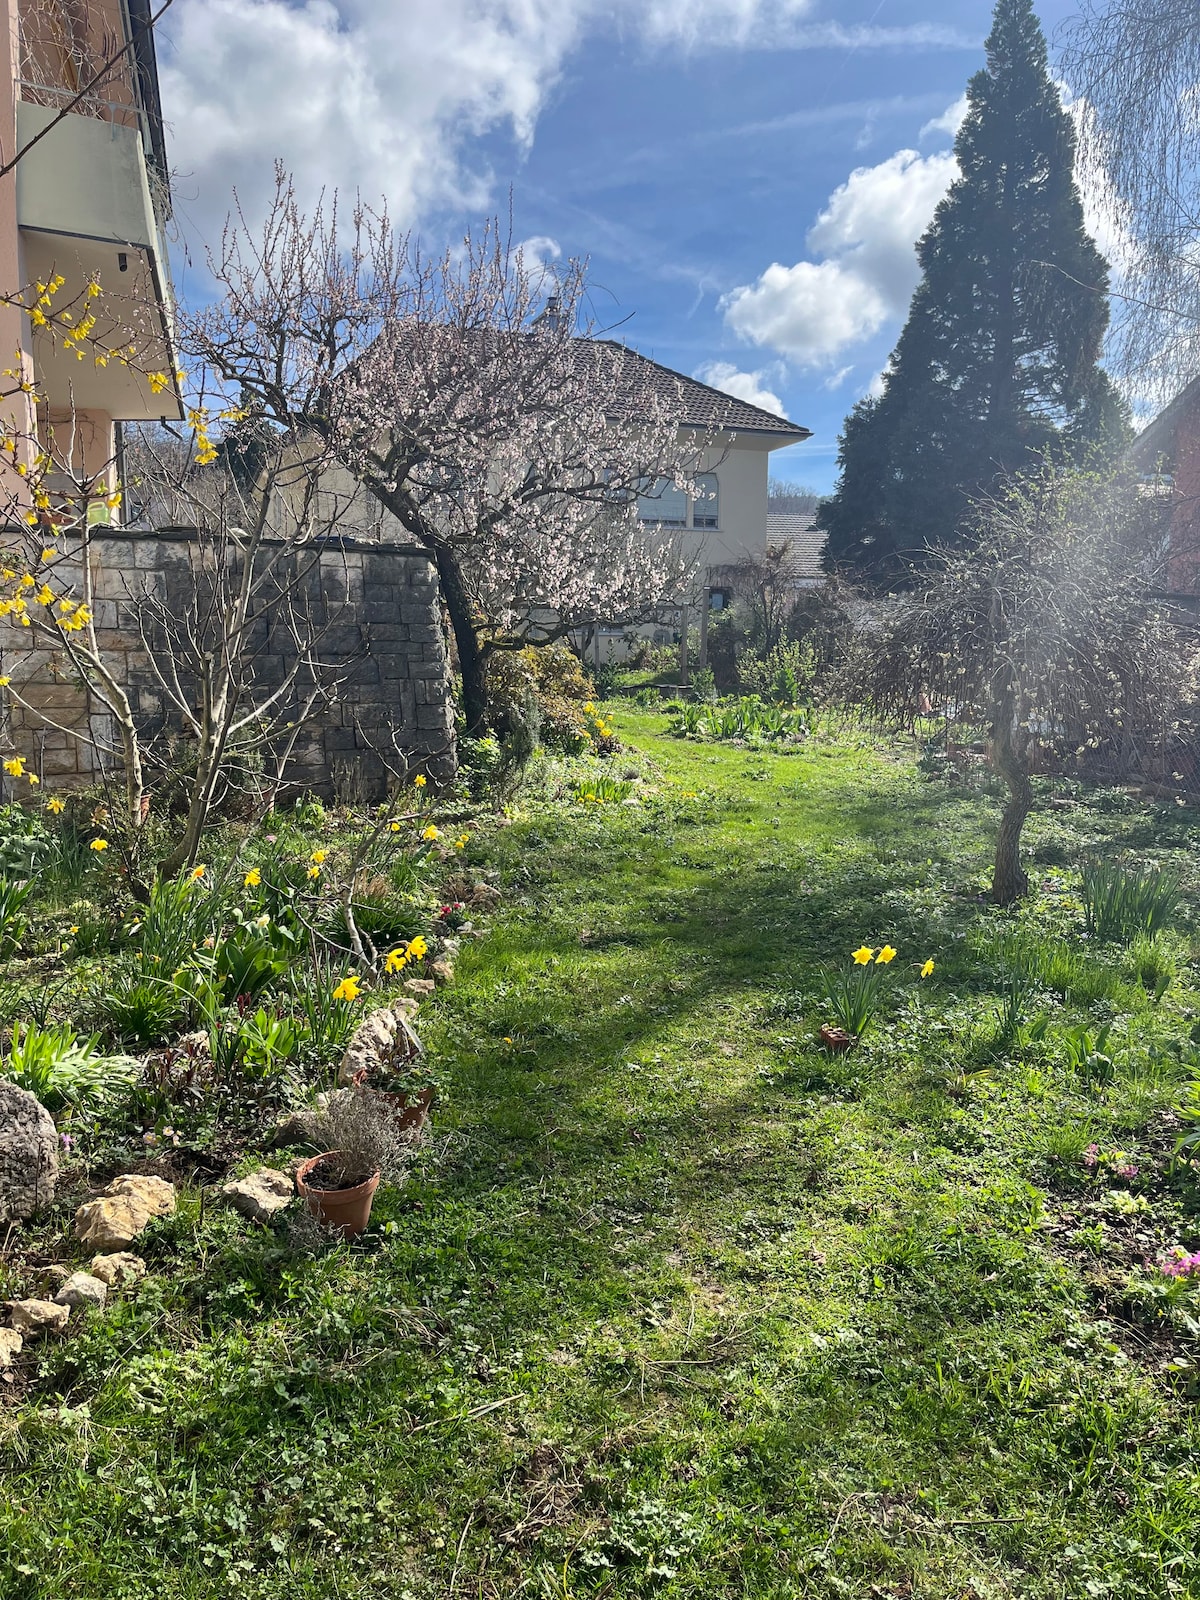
(748,386)
(950,121)
(384,97)
(866,268)
(539,250)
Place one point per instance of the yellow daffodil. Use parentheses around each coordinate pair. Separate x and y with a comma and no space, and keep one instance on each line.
(74,928)
(417,947)
(395,827)
(55,805)
(15,767)
(348,989)
(863,954)
(927,969)
(252,879)
(197,872)
(33,779)
(395,960)
(420,780)
(461,842)
(314,871)
(98,844)
(318,856)
(431,833)
(885,955)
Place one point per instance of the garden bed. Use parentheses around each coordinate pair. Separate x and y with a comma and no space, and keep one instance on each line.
(674,1301)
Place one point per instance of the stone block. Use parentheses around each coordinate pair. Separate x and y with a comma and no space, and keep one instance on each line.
(28,1154)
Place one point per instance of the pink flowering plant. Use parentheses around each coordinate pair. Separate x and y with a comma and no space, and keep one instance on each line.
(1109,1164)
(1168,1291)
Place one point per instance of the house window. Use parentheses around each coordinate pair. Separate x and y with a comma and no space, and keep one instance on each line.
(718,599)
(705,504)
(664,504)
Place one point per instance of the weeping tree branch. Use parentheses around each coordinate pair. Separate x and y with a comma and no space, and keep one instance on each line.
(1049,633)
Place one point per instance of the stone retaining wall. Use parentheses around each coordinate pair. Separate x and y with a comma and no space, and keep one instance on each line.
(375,607)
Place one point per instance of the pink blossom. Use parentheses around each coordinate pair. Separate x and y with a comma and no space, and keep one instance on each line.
(1180,1264)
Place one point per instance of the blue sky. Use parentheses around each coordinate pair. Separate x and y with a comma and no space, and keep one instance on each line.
(747,177)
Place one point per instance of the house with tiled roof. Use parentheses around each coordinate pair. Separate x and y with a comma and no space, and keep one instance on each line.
(1165,456)
(728,513)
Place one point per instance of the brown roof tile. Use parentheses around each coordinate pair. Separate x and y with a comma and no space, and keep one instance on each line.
(704,406)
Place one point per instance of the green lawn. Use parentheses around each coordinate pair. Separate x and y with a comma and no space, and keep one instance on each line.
(675,1303)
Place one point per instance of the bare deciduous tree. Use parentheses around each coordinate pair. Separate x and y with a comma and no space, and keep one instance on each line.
(1136,64)
(1049,632)
(511,447)
(199,621)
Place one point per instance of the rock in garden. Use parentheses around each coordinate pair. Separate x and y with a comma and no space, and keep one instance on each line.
(83,1291)
(120,1212)
(420,986)
(36,1317)
(28,1154)
(406,1006)
(120,1267)
(298,1127)
(260,1195)
(443,971)
(11,1345)
(372,1040)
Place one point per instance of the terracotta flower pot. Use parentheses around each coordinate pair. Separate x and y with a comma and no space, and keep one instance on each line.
(411,1113)
(835,1038)
(347,1210)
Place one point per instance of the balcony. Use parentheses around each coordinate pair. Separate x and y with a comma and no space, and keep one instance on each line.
(85,210)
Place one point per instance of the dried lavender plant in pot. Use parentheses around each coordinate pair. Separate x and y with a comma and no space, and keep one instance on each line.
(364,1147)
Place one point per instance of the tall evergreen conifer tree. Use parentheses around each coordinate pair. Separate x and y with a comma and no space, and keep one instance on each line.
(998,360)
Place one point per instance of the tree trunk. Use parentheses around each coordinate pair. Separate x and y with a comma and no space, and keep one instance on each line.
(472,661)
(1009,881)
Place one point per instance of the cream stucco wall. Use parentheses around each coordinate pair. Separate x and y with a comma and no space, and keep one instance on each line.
(741,472)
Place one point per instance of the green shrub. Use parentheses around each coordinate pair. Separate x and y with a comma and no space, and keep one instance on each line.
(141,1009)
(62,1070)
(559,686)
(783,676)
(251,954)
(1121,901)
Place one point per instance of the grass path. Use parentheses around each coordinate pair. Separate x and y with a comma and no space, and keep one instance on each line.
(675,1304)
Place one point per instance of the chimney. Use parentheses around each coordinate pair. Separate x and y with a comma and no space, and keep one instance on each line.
(551,318)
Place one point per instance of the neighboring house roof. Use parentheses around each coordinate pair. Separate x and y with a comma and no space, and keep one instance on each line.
(704,406)
(799,531)
(1157,438)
